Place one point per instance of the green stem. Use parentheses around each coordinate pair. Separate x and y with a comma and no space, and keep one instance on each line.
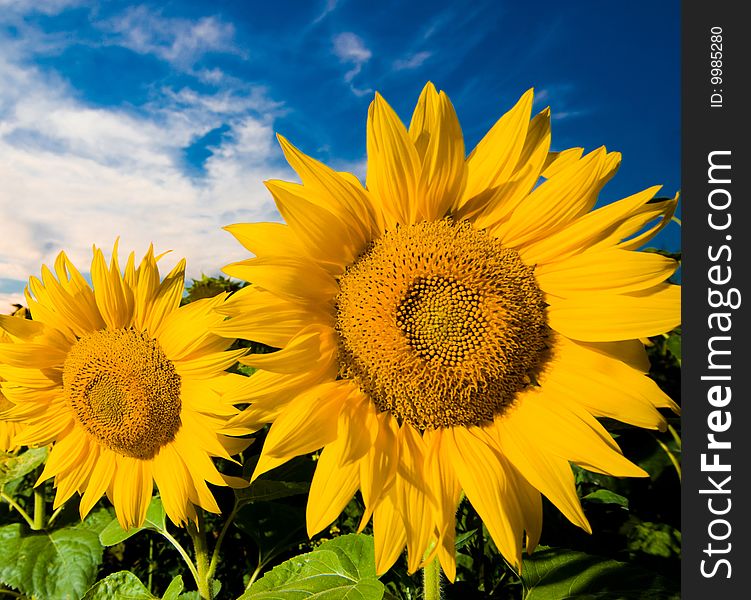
(431,582)
(183,553)
(675,435)
(671,456)
(198,535)
(54,516)
(217,547)
(40,516)
(18,507)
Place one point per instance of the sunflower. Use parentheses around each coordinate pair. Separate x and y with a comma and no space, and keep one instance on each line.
(8,429)
(453,328)
(128,387)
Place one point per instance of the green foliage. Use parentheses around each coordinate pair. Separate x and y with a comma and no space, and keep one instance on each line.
(155,519)
(208,287)
(122,585)
(13,467)
(61,564)
(340,568)
(560,574)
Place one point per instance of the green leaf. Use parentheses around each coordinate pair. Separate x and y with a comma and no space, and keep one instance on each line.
(674,346)
(560,574)
(155,519)
(603,496)
(340,568)
(16,466)
(122,585)
(58,565)
(175,588)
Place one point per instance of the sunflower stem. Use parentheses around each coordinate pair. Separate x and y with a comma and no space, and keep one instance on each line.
(198,535)
(431,582)
(218,546)
(18,507)
(191,567)
(40,516)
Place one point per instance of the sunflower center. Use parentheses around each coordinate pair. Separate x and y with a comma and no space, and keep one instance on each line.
(441,325)
(124,391)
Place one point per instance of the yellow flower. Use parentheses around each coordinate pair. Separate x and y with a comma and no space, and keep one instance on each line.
(455,326)
(128,387)
(9,429)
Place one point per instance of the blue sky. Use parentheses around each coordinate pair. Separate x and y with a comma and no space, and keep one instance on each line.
(156,121)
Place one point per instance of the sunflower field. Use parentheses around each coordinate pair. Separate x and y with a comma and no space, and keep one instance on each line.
(459,379)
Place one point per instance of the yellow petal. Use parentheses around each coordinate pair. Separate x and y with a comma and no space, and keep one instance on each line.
(378,467)
(113,302)
(483,476)
(389,533)
(546,472)
(393,164)
(563,198)
(99,480)
(617,271)
(326,238)
(294,279)
(414,499)
(334,484)
(496,155)
(338,193)
(302,351)
(167,298)
(610,317)
(266,239)
(308,423)
(437,136)
(42,356)
(558,161)
(593,229)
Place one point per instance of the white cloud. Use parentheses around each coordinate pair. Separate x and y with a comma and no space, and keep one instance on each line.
(350,49)
(411,62)
(46,7)
(74,175)
(178,41)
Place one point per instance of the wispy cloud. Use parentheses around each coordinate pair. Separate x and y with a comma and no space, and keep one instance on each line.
(558,97)
(413,61)
(327,10)
(74,174)
(351,50)
(181,42)
(45,7)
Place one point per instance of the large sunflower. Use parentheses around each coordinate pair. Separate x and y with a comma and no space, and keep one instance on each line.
(455,326)
(128,387)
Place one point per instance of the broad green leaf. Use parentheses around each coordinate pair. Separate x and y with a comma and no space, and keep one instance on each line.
(122,585)
(14,467)
(603,496)
(61,564)
(560,574)
(176,586)
(155,519)
(341,568)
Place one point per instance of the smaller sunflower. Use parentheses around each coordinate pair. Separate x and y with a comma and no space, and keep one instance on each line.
(128,387)
(8,429)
